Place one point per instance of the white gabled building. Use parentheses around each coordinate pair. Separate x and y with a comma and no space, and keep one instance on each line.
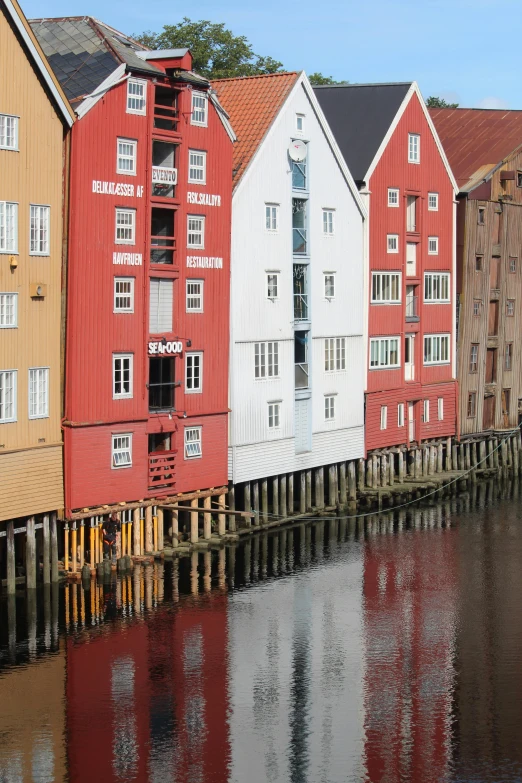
(297,360)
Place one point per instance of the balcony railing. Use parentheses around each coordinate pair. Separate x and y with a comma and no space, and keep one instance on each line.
(299,241)
(301,376)
(300,307)
(412,308)
(165,118)
(162,472)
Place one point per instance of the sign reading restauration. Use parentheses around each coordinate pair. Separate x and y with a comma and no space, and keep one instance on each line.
(204,262)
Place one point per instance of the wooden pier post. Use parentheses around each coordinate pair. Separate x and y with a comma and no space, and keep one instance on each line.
(161,530)
(491,456)
(54,547)
(247,502)
(332,497)
(82,543)
(343,494)
(514,447)
(319,488)
(391,468)
(30,554)
(309,490)
(411,461)
(66,546)
(11,569)
(255,491)
(418,463)
(207,518)
(136,551)
(467,456)
(282,496)
(448,455)
(302,492)
(174,523)
(375,471)
(194,532)
(432,461)
(360,474)
(384,470)
(264,500)
(74,547)
(425,460)
(455,456)
(440,454)
(352,482)
(232,507)
(222,520)
(495,453)
(149,544)
(401,466)
(290,505)
(46,550)
(504,453)
(154,533)
(474,460)
(482,453)
(275,495)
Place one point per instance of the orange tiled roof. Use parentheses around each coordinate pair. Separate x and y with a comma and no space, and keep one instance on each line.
(252,103)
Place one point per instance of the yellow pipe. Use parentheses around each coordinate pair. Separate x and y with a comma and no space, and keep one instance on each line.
(141,535)
(82,543)
(155,529)
(93,554)
(123,539)
(74,549)
(66,543)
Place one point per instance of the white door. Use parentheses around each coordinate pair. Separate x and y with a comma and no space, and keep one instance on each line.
(411,420)
(411,259)
(302,426)
(409,357)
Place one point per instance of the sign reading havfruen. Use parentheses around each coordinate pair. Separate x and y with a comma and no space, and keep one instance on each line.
(206,199)
(169,347)
(127,259)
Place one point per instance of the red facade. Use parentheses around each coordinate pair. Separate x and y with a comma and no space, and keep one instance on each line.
(126,369)
(412,317)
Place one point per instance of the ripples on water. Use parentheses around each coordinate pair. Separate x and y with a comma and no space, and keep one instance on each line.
(316,654)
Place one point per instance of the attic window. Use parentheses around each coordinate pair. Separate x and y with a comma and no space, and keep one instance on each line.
(299,123)
(136,96)
(519,179)
(199,109)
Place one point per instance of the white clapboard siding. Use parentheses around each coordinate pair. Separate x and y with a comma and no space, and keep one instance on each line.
(161,305)
(302,426)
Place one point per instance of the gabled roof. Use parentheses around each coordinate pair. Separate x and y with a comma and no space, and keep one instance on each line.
(35,53)
(83,52)
(252,103)
(360,116)
(476,139)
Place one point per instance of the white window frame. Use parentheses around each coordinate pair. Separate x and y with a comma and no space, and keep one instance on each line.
(384,417)
(35,373)
(193,441)
(440,408)
(392,243)
(122,357)
(133,97)
(272,284)
(335,354)
(4,246)
(433,246)
(426,412)
(274,415)
(439,338)
(393,193)
(266,360)
(510,308)
(300,117)
(191,295)
(203,123)
(381,276)
(119,448)
(433,202)
(328,222)
(432,281)
(3,374)
(329,407)
(400,414)
(13,324)
(198,167)
(195,231)
(120,294)
(44,211)
(125,227)
(326,277)
(271,217)
(379,341)
(131,156)
(4,122)
(414,148)
(199,356)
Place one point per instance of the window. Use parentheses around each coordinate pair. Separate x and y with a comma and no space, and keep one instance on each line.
(195,231)
(192,442)
(512,265)
(328,222)
(393,197)
(510,307)
(39,393)
(478,263)
(400,414)
(161,383)
(508,356)
(393,243)
(384,417)
(436,349)
(386,287)
(7,396)
(411,213)
(334,354)
(161,301)
(472,405)
(197,167)
(272,285)
(271,217)
(299,122)
(122,451)
(440,408)
(121,375)
(193,373)
(194,296)
(299,240)
(199,108)
(39,235)
(519,179)
(8,227)
(481,216)
(8,311)
(126,163)
(473,357)
(329,407)
(298,174)
(433,246)
(123,294)
(266,360)
(329,285)
(433,202)
(436,287)
(273,415)
(426,412)
(8,132)
(136,96)
(413,148)
(477,306)
(411,259)
(384,352)
(125,226)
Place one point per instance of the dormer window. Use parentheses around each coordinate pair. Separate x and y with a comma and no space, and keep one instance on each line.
(199,109)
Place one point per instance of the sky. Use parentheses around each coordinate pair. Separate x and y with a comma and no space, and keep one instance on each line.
(454,49)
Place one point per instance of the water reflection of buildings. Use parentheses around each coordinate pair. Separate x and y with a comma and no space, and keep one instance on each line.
(410,597)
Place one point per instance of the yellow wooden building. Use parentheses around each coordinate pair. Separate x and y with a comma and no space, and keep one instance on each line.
(35,119)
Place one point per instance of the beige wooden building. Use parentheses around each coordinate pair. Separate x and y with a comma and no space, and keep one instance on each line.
(35,118)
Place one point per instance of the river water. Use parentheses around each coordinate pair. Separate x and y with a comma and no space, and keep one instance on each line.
(336,651)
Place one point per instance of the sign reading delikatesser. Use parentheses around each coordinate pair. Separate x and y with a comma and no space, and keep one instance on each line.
(205,199)
(117,188)
(204,262)
(169,348)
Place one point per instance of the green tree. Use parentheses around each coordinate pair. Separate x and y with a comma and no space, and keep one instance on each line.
(217,53)
(439,103)
(318,78)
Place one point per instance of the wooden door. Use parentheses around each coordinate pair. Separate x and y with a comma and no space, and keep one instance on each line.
(494,273)
(491,365)
(409,357)
(493,319)
(411,421)
(488,418)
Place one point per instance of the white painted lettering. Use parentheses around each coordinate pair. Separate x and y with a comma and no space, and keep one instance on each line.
(204,262)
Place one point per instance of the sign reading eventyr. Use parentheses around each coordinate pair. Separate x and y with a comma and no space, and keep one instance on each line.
(170,347)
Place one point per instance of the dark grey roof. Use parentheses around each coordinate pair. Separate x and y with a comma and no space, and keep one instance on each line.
(359,116)
(83,51)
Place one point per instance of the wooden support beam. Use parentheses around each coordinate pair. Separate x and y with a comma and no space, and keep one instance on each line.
(290,499)
(54,547)
(136,549)
(82,543)
(282,496)
(343,496)
(161,530)
(302,492)
(175,525)
(264,499)
(207,518)
(30,554)
(194,532)
(255,490)
(46,551)
(309,490)
(232,506)
(11,569)
(74,544)
(149,543)
(181,497)
(222,518)
(352,482)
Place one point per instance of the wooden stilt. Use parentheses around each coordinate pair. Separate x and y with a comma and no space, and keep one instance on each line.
(54,547)
(275,495)
(255,488)
(282,496)
(401,466)
(123,539)
(91,543)
(142,534)
(11,569)
(149,542)
(247,503)
(332,496)
(154,533)
(264,499)
(290,485)
(194,532)
(343,496)
(66,546)
(222,518)
(360,474)
(319,487)
(440,467)
(161,531)
(302,492)
(82,543)
(308,490)
(136,550)
(352,482)
(46,550)
(207,518)
(448,455)
(232,507)
(74,549)
(30,554)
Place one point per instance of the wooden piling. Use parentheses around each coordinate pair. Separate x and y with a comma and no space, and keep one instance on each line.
(154,532)
(275,495)
(302,492)
(440,454)
(448,455)
(232,507)
(343,493)
(401,466)
(30,554)
(391,468)
(360,474)
(418,463)
(495,453)
(247,502)
(161,529)
(319,488)
(352,482)
(309,490)
(222,519)
(54,547)
(264,500)
(11,569)
(290,504)
(282,496)
(66,546)
(74,545)
(384,470)
(194,532)
(46,550)
(255,492)
(207,518)
(136,551)
(149,544)
(82,543)
(332,498)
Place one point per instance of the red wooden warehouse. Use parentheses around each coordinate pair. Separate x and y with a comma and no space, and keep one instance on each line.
(392,149)
(148,268)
